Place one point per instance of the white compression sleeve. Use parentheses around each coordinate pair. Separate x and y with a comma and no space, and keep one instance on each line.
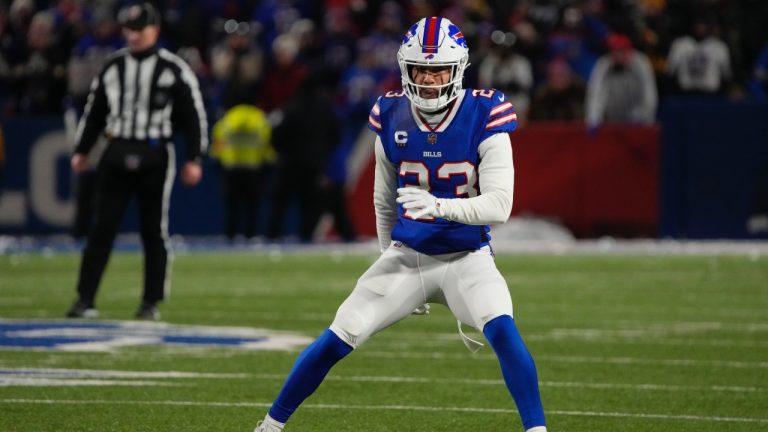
(384,195)
(496,174)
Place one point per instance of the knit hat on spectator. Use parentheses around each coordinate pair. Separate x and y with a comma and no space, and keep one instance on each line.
(618,41)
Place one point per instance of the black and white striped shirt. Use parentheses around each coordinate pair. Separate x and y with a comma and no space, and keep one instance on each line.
(144,97)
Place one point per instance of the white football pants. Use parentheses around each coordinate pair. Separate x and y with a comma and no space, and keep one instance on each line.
(401,280)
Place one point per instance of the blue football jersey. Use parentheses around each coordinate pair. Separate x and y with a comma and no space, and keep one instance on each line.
(442,160)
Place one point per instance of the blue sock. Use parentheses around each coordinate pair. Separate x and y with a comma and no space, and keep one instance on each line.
(308,372)
(518,369)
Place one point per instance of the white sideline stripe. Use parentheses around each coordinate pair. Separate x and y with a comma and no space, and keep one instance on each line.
(607,340)
(622,340)
(628,330)
(659,416)
(625,328)
(48,376)
(499,382)
(574,359)
(453,339)
(388,408)
(57,382)
(95,373)
(664,362)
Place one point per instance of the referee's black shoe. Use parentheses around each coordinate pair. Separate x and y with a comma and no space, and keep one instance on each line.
(147,311)
(82,310)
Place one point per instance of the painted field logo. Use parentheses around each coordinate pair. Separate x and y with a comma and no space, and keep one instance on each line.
(109,336)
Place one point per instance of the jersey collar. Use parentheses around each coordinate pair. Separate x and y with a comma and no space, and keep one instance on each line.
(448,116)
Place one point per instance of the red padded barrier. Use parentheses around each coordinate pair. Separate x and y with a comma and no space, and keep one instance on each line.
(602,183)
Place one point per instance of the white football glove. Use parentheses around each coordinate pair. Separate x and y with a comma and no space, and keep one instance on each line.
(419,203)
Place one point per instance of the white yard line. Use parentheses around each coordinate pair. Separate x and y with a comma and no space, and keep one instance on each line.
(573,359)
(391,408)
(500,382)
(49,376)
(620,328)
(57,382)
(110,374)
(586,338)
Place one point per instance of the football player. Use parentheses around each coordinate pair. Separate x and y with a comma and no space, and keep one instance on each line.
(444,172)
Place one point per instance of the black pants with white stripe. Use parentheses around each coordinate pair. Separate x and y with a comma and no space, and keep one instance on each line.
(130,170)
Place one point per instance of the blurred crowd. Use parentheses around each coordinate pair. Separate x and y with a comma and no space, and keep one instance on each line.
(557,60)
(545,54)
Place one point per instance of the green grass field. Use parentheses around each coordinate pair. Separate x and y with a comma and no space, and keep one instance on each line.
(622,343)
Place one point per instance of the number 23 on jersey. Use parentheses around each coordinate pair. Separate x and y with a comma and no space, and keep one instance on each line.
(441,180)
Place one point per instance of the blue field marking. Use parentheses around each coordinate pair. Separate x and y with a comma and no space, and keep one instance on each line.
(202,340)
(112,335)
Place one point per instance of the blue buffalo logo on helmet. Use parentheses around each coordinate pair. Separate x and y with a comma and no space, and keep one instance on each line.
(457,35)
(410,33)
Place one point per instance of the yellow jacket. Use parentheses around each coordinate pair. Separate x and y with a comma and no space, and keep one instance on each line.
(241,139)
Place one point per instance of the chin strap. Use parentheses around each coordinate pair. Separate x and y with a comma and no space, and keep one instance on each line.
(471,344)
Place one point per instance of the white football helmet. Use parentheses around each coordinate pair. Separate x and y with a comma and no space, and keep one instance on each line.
(433,41)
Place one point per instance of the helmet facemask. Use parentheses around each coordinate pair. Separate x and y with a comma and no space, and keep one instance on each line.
(447,92)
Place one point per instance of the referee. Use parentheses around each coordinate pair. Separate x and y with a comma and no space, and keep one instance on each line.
(141,96)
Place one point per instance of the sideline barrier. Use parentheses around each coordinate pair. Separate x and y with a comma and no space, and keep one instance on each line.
(601,183)
(37,188)
(714,170)
(703,175)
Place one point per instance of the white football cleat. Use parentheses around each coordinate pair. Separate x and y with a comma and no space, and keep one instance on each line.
(264,426)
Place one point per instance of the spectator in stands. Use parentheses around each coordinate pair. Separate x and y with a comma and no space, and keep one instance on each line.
(275,17)
(89,55)
(310,53)
(758,85)
(20,16)
(72,22)
(506,70)
(284,75)
(241,145)
(699,64)
(236,65)
(6,89)
(655,38)
(576,40)
(387,35)
(622,87)
(304,140)
(334,193)
(338,41)
(529,36)
(184,20)
(362,82)
(560,97)
(43,80)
